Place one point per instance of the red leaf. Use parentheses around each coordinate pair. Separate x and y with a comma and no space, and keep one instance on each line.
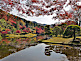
(23,11)
(9,0)
(60,14)
(18,31)
(70,15)
(79,6)
(10,3)
(34,1)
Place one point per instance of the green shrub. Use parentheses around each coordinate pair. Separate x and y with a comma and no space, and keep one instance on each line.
(69,31)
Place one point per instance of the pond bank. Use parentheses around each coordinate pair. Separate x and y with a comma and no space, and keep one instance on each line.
(62,41)
(36,53)
(29,35)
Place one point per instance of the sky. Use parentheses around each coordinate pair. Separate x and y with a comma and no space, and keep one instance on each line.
(47,19)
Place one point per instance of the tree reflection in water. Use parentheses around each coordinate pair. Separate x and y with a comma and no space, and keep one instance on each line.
(12,45)
(16,44)
(73,54)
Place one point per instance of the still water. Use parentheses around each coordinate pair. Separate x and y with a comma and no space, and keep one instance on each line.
(25,49)
(35,53)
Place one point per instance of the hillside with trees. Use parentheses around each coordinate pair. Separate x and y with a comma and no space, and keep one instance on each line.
(10,24)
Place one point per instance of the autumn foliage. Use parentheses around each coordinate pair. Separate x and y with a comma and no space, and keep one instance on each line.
(44,7)
(4,32)
(39,30)
(18,31)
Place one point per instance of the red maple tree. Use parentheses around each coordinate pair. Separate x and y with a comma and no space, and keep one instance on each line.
(45,7)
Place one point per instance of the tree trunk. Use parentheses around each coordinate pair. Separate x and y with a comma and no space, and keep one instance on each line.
(56,33)
(17,25)
(74,35)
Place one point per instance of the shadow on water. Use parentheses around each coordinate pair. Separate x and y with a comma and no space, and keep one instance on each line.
(24,49)
(73,53)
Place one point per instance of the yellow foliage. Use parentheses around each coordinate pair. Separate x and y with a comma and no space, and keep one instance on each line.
(22,22)
(29,35)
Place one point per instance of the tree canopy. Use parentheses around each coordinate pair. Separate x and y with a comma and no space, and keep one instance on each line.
(57,30)
(44,7)
(71,30)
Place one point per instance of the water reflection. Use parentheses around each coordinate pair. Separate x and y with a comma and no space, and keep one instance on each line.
(12,45)
(6,50)
(73,54)
(35,53)
(39,52)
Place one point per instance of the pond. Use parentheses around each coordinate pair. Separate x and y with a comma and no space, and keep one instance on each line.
(24,49)
(35,53)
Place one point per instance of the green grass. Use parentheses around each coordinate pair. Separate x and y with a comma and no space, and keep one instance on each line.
(60,45)
(29,35)
(78,37)
(58,40)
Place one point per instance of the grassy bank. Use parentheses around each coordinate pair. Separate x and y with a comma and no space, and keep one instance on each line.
(29,35)
(60,40)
